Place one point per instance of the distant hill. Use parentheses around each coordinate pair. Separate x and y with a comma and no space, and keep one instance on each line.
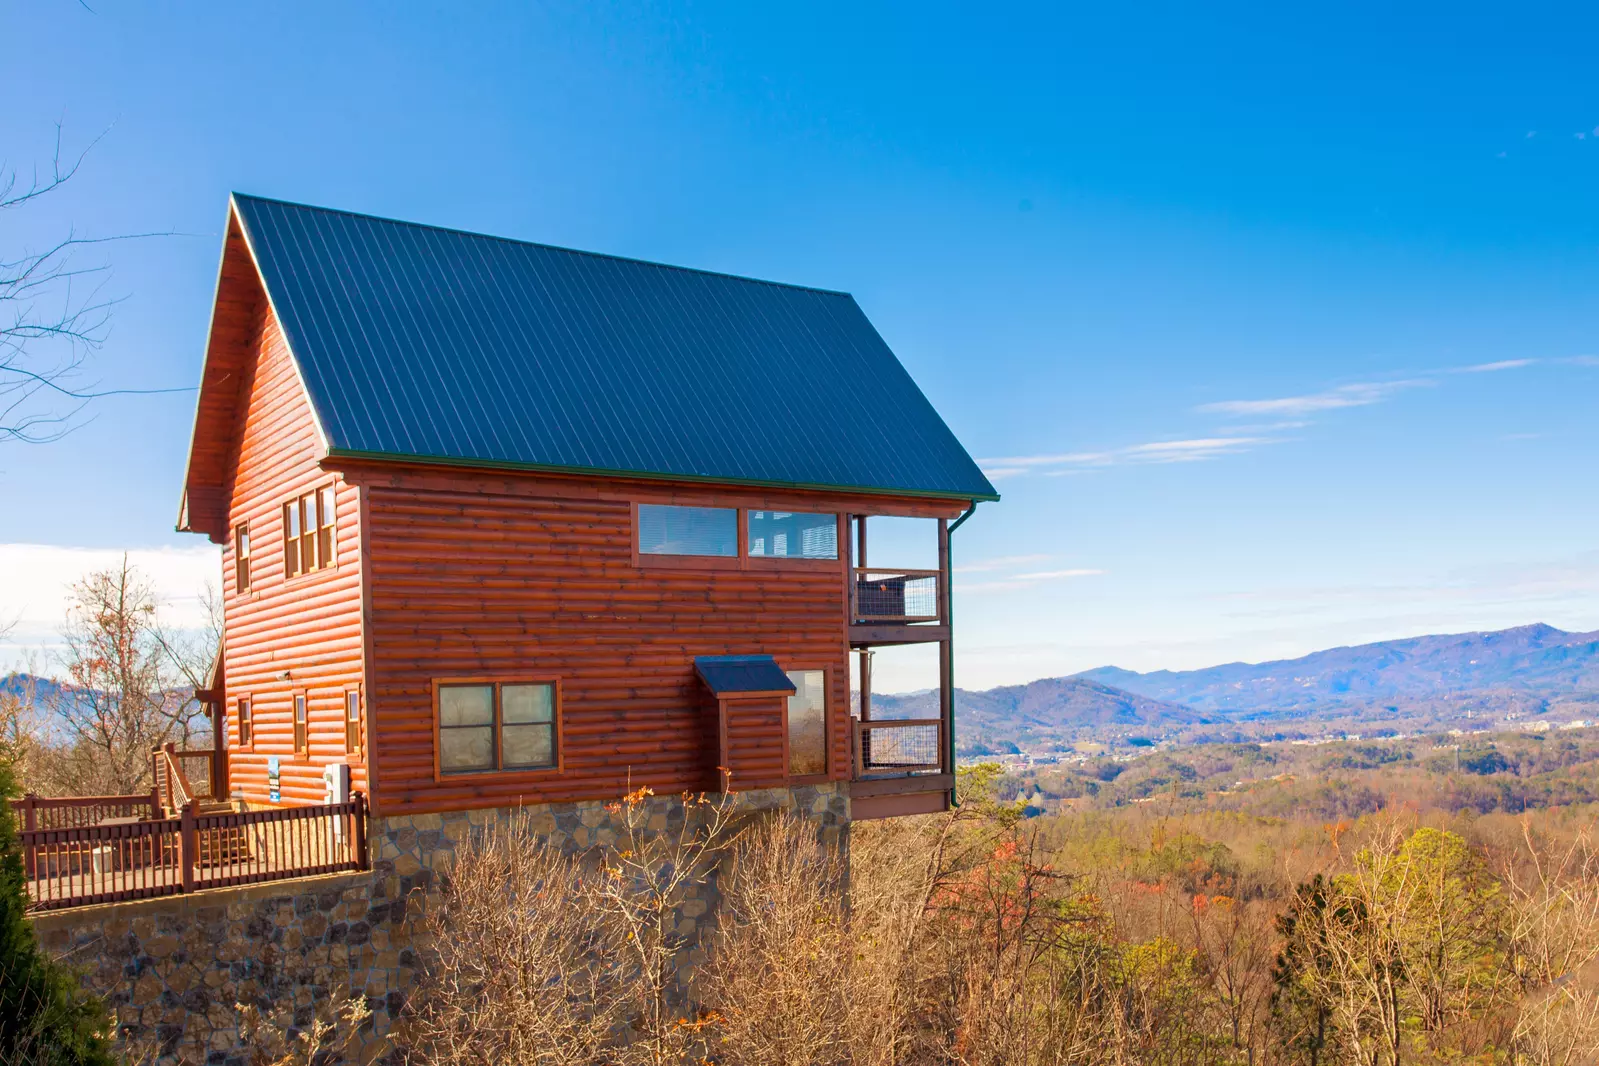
(1528,661)
(1045,715)
(44,689)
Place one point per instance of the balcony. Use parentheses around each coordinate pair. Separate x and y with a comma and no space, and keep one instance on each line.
(896,606)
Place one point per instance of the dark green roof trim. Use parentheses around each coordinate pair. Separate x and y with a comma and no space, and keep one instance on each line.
(642,475)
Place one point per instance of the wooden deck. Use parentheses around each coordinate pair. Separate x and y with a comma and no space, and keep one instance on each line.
(122,858)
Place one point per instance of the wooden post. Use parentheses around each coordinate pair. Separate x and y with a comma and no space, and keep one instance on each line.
(360,830)
(946,658)
(155,799)
(30,820)
(866,684)
(186,846)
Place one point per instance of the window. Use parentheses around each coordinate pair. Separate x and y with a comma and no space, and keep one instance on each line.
(664,530)
(807,723)
(300,739)
(352,721)
(507,725)
(787,535)
(241,557)
(328,513)
(309,532)
(246,725)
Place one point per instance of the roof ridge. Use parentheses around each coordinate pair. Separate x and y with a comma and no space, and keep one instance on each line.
(540,244)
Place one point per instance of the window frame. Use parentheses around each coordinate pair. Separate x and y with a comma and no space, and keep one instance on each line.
(310,536)
(356,745)
(743,560)
(513,773)
(241,558)
(826,671)
(244,722)
(301,729)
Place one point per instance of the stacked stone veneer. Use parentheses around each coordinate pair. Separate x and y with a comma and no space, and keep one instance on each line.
(175,970)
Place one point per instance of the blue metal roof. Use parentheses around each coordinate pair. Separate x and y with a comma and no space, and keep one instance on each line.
(728,675)
(435,345)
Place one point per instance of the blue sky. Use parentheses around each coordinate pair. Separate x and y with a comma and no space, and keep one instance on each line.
(1275,328)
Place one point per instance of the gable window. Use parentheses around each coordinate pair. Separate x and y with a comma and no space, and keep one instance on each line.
(791,535)
(241,557)
(491,726)
(310,540)
(807,723)
(352,721)
(246,724)
(301,738)
(667,530)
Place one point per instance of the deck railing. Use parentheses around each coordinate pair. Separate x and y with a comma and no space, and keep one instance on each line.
(135,858)
(65,812)
(898,746)
(906,596)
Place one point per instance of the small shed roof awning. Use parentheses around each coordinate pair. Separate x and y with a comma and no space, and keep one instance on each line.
(742,675)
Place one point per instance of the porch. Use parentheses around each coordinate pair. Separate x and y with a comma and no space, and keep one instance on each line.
(900,765)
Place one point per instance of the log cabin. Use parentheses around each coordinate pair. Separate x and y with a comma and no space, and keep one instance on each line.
(507,524)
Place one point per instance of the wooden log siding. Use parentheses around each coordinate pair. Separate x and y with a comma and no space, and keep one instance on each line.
(309,626)
(470,582)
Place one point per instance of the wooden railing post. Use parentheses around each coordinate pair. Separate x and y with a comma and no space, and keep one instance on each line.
(359,803)
(186,846)
(30,820)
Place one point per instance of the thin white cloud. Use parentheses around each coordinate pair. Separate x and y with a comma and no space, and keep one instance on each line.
(1154,452)
(1003,562)
(1488,368)
(1582,360)
(1361,394)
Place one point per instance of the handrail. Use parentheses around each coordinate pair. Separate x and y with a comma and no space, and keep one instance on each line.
(897,755)
(62,812)
(168,771)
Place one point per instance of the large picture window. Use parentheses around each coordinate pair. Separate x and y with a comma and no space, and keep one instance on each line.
(502,725)
(666,530)
(310,525)
(791,535)
(807,723)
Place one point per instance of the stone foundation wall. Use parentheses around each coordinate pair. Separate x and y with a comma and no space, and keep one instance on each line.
(175,970)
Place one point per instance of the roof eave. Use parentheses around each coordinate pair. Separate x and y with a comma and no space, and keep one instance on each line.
(703,479)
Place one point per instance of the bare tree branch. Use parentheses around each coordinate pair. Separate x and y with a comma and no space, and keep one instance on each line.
(54,312)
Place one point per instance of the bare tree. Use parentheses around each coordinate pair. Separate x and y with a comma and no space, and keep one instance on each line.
(780,973)
(122,696)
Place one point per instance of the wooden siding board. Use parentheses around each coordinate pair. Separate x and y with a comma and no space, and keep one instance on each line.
(308,626)
(466,580)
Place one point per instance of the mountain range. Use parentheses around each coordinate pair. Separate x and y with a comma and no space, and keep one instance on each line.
(1398,685)
(1534,659)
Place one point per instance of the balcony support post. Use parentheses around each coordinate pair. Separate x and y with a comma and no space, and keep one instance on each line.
(946,660)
